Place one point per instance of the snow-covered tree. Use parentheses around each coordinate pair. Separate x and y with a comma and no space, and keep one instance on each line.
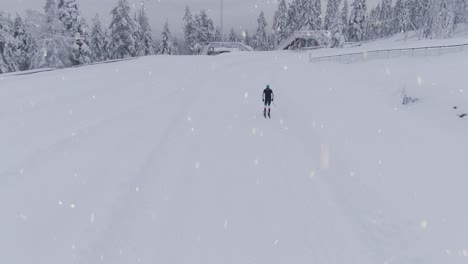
(337,37)
(294,15)
(53,47)
(7,46)
(318,14)
(75,27)
(419,12)
(146,46)
(25,44)
(189,30)
(260,40)
(107,44)
(332,9)
(439,18)
(463,18)
(447,18)
(139,45)
(385,17)
(397,14)
(280,23)
(204,28)
(70,15)
(233,36)
(54,25)
(461,11)
(167,47)
(357,21)
(122,32)
(402,12)
(97,41)
(310,15)
(246,38)
(374,26)
(344,17)
(217,36)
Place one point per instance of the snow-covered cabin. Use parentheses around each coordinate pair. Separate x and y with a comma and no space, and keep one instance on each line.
(306,40)
(215,48)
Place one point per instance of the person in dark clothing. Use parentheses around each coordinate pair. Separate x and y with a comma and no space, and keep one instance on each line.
(268,97)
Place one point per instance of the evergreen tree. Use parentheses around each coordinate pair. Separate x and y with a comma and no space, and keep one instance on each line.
(204,28)
(461,11)
(337,37)
(447,17)
(404,20)
(386,15)
(294,15)
(167,47)
(75,27)
(25,44)
(54,25)
(271,42)
(122,32)
(217,35)
(189,31)
(280,23)
(310,15)
(374,29)
(7,46)
(344,17)
(357,21)
(261,40)
(139,45)
(53,48)
(233,36)
(246,39)
(97,41)
(464,15)
(318,14)
(332,9)
(70,15)
(146,41)
(419,13)
(107,45)
(398,10)
(439,19)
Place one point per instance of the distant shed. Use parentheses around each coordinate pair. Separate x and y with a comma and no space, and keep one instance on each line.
(215,48)
(311,39)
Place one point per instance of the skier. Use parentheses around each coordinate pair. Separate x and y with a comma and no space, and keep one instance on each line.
(268,97)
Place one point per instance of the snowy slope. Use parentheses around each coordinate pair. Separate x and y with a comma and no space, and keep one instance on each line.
(168,160)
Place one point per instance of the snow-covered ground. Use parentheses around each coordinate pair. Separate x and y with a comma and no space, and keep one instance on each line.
(169,160)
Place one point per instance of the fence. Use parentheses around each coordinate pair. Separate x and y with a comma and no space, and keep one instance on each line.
(391,53)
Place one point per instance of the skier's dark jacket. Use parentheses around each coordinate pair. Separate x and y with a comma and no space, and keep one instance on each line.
(268,95)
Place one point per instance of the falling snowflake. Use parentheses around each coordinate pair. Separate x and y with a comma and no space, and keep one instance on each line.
(419,81)
(423,224)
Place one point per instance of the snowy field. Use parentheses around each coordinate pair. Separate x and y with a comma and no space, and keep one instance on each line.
(169,160)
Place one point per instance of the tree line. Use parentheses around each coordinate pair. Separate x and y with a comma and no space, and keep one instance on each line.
(60,37)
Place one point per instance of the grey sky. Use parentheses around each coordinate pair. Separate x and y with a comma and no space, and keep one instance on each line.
(238,13)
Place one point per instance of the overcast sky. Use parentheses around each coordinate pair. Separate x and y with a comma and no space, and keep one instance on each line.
(238,13)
